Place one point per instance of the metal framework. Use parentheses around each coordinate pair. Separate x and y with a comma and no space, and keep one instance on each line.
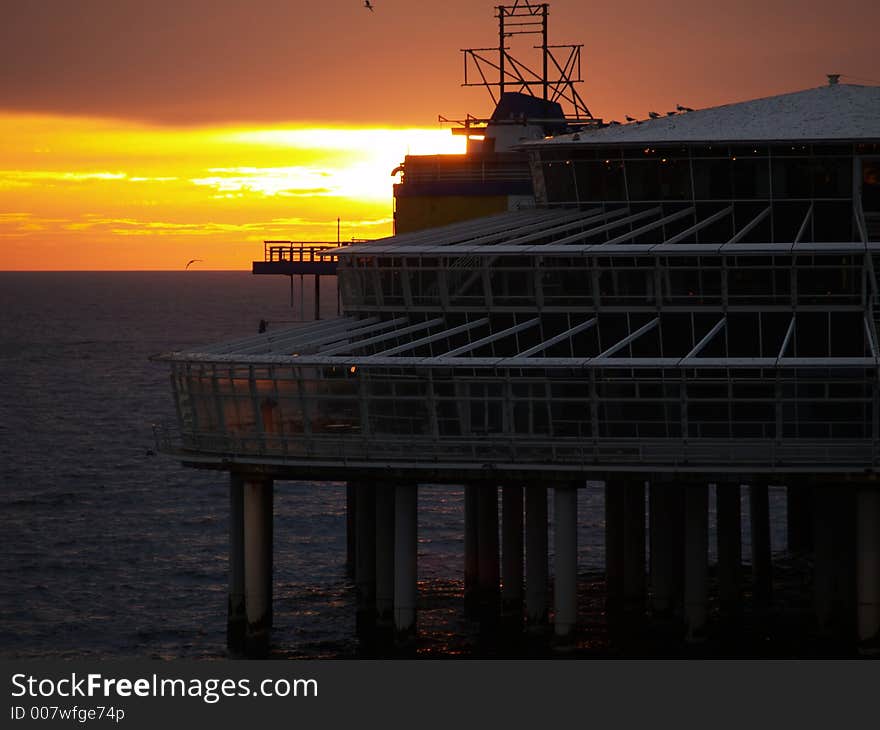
(619,354)
(558,74)
(705,307)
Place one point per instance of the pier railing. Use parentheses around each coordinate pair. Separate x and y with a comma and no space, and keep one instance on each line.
(297,251)
(488,453)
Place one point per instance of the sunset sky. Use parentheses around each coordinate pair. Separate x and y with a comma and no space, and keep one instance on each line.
(139,135)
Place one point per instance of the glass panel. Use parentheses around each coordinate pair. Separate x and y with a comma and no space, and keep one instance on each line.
(712,180)
(559,182)
(791,178)
(751,178)
(643,179)
(832,177)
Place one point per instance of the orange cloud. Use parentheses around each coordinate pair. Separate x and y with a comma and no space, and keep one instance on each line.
(102,194)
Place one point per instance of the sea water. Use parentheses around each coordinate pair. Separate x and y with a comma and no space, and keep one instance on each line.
(112,550)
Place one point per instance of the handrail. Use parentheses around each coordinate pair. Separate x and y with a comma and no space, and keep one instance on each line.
(300,251)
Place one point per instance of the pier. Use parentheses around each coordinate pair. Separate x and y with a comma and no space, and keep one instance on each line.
(692,301)
(297,258)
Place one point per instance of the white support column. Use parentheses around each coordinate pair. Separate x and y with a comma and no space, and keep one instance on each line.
(565,579)
(868,568)
(536,556)
(696,569)
(512,554)
(385,499)
(257,509)
(236,620)
(405,561)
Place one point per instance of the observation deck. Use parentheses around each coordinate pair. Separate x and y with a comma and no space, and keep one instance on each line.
(297,257)
(693,300)
(640,337)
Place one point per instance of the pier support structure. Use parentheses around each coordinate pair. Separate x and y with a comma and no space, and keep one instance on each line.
(365,559)
(385,535)
(512,555)
(728,509)
(634,548)
(614,547)
(565,578)
(868,562)
(257,502)
(696,570)
(471,550)
(236,622)
(666,525)
(536,557)
(405,562)
(762,565)
(799,518)
(487,546)
(350,539)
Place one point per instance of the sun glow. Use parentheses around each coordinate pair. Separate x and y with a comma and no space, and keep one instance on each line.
(97,194)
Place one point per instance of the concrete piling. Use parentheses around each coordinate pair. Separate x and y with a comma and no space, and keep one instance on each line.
(365,559)
(835,564)
(236,622)
(405,562)
(634,548)
(799,518)
(383,523)
(661,550)
(762,566)
(257,503)
(823,561)
(385,509)
(696,566)
(471,550)
(350,539)
(868,568)
(487,545)
(846,556)
(512,555)
(728,500)
(565,574)
(614,547)
(536,557)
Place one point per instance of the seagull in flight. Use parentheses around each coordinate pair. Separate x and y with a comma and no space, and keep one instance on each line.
(369,6)
(190,263)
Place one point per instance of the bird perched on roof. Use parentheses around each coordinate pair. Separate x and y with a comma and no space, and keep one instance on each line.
(671,114)
(683,108)
(368,5)
(653,115)
(629,118)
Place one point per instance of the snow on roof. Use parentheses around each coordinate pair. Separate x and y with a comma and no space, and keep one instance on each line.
(838,111)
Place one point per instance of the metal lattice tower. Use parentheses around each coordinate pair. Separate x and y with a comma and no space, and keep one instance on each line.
(558,74)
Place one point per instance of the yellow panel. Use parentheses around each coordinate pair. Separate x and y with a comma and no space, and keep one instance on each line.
(417,213)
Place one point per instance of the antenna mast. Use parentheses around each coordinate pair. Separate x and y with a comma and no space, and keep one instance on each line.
(525,18)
